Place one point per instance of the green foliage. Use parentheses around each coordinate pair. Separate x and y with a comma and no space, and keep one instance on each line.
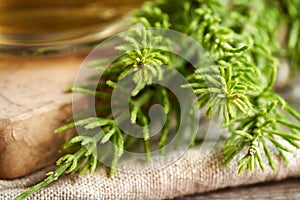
(291,20)
(239,88)
(142,57)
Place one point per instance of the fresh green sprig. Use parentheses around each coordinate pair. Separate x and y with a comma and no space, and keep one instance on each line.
(269,123)
(291,20)
(145,63)
(242,47)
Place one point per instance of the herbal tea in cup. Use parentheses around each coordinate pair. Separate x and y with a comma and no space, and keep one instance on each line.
(27,23)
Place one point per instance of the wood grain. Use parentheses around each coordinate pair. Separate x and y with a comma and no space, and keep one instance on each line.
(286,189)
(33,103)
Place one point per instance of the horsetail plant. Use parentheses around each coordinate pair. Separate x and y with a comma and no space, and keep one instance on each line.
(238,88)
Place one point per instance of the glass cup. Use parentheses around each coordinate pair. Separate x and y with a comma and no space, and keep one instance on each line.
(45,25)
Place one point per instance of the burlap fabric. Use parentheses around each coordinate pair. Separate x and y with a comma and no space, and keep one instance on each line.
(190,174)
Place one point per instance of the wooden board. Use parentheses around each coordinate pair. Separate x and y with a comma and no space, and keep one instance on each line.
(286,189)
(33,103)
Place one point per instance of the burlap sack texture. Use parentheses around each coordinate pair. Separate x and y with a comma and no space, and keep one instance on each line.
(190,174)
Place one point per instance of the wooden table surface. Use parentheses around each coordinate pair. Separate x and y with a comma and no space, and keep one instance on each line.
(286,189)
(33,103)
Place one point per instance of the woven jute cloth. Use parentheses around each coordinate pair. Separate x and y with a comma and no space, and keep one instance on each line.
(191,173)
